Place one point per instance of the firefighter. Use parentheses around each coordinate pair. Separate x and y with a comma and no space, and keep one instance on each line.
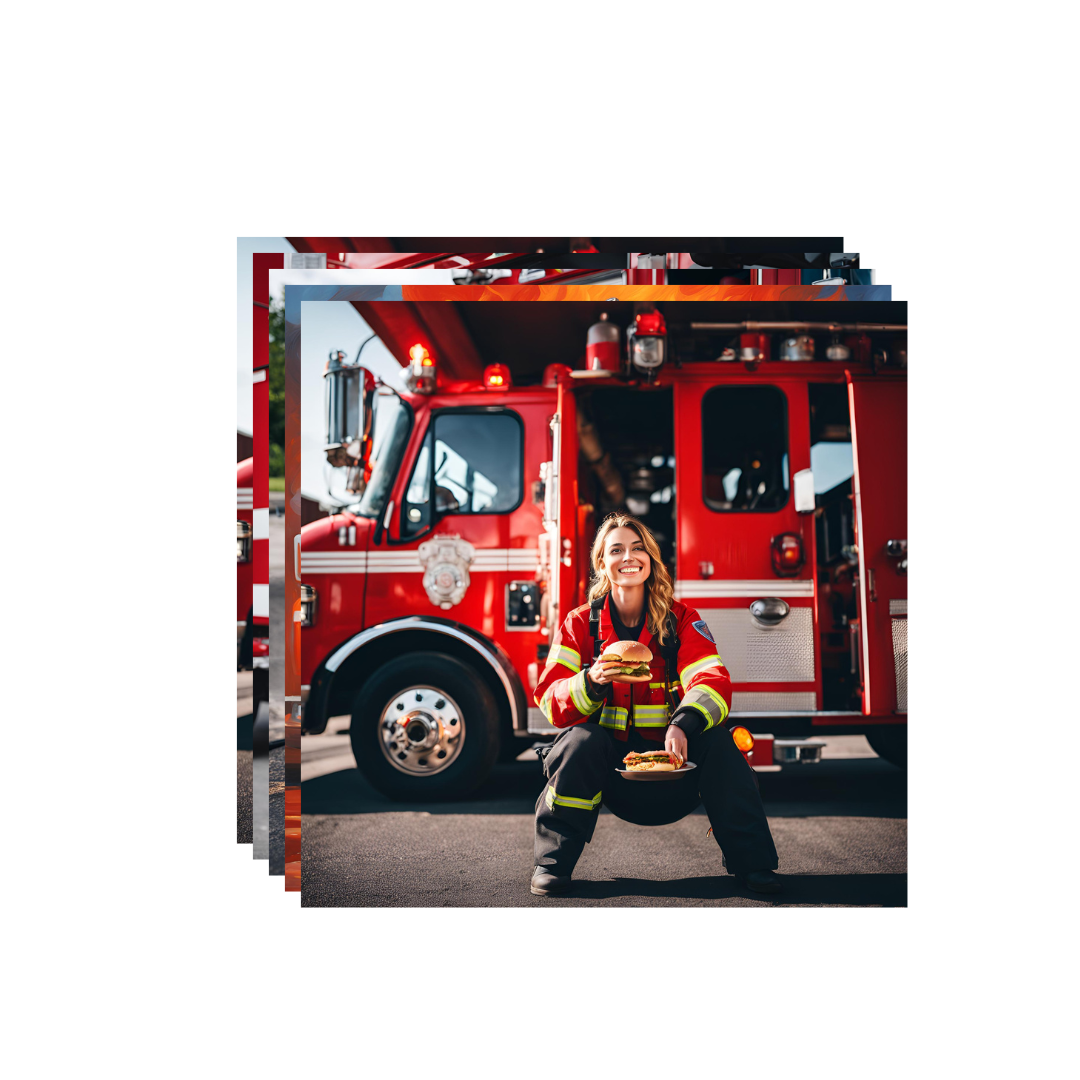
(600,721)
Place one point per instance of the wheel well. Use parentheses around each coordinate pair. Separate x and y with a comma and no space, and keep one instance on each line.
(363,663)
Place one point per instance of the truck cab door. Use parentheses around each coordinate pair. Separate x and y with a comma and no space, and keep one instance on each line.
(560,540)
(878,405)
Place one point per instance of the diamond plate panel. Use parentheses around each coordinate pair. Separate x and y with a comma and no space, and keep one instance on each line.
(772,702)
(899,651)
(751,654)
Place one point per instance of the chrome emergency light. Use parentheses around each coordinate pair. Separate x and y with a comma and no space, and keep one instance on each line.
(343,385)
(648,341)
(243,541)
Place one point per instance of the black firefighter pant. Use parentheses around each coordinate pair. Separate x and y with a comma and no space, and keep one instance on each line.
(581,764)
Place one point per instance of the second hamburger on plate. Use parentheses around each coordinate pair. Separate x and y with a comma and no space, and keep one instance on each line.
(633,659)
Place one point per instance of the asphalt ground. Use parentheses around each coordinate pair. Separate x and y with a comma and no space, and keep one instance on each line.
(840,829)
(277,811)
(243,757)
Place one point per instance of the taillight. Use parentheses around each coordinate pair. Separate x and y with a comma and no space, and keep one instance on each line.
(743,739)
(787,554)
(497,377)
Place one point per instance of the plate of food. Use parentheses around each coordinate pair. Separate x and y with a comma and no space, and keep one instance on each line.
(627,661)
(654,765)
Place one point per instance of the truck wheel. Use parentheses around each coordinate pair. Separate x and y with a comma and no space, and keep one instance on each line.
(890,743)
(424,727)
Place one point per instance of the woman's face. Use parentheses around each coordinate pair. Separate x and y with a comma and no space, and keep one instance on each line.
(625,560)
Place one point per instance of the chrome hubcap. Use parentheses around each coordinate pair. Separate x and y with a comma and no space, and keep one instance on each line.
(421,731)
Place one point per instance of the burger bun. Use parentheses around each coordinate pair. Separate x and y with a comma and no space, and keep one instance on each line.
(627,652)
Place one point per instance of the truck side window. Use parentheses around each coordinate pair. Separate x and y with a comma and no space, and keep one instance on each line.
(470,463)
(744,448)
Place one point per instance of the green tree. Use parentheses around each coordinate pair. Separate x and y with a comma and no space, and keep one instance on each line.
(277,389)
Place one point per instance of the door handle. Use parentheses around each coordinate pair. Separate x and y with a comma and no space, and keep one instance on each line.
(870,585)
(769,611)
(296,557)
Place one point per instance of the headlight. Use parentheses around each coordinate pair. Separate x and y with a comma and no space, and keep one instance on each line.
(243,541)
(309,605)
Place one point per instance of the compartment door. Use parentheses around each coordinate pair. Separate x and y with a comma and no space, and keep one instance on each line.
(879,445)
(735,442)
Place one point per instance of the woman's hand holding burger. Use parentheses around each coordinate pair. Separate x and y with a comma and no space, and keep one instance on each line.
(602,672)
(675,742)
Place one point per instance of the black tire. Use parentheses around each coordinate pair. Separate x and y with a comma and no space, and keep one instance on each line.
(889,743)
(479,714)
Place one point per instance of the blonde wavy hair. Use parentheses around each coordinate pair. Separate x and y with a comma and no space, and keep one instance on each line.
(661,589)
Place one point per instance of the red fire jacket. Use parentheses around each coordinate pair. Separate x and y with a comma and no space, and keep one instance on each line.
(704,685)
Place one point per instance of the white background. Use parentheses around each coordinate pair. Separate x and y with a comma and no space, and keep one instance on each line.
(141,940)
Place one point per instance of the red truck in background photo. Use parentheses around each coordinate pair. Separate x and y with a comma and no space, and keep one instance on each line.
(252,650)
(768,458)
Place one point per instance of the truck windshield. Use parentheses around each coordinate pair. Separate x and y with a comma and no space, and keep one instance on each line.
(392,423)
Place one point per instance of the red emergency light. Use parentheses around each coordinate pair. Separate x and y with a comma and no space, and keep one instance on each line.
(552,372)
(497,377)
(420,357)
(787,554)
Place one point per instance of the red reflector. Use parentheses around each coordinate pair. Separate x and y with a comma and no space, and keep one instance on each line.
(787,554)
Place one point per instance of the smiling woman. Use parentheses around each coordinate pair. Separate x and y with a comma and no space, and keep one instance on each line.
(635,669)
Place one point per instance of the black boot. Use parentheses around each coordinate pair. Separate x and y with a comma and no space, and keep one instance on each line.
(761,881)
(545,883)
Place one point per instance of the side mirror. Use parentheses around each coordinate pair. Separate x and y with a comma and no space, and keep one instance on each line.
(350,399)
(803,481)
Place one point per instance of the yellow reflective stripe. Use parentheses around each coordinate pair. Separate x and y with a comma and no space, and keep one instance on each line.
(709,721)
(656,686)
(569,658)
(545,704)
(613,717)
(553,799)
(650,715)
(691,670)
(580,696)
(716,697)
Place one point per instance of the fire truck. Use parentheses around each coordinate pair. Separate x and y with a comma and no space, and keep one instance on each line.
(252,650)
(768,458)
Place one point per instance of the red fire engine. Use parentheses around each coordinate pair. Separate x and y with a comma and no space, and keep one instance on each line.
(768,458)
(252,652)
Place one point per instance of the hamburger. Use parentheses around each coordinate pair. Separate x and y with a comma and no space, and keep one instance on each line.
(653,761)
(633,659)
